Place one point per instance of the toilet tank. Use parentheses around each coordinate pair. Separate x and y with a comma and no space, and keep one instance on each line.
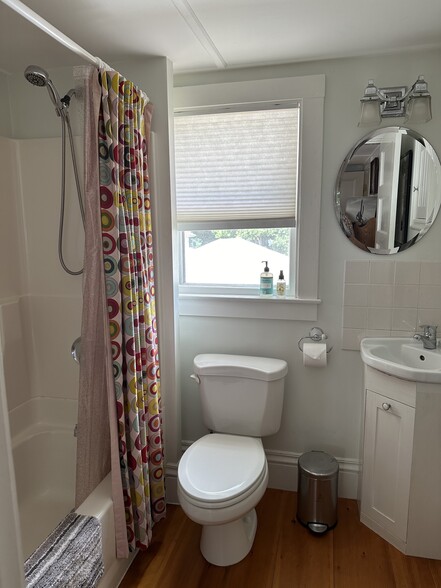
(240,394)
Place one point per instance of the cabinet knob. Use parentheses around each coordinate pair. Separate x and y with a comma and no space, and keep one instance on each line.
(386,406)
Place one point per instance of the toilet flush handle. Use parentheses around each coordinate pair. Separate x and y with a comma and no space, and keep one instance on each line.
(195,378)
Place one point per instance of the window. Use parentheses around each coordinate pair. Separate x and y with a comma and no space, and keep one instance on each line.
(248,188)
(236,186)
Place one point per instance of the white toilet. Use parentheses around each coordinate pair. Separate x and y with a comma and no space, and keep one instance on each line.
(222,476)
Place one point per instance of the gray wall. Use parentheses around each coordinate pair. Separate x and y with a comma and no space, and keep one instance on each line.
(322,406)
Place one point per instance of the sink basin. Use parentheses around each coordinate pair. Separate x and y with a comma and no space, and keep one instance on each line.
(403,358)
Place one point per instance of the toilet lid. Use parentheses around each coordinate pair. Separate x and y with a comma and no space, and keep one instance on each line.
(217,468)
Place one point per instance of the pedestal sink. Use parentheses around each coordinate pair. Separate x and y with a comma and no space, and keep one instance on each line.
(403,357)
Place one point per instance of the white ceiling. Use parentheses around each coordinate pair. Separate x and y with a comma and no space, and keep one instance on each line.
(211,34)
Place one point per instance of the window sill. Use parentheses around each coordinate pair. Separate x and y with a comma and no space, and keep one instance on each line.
(254,307)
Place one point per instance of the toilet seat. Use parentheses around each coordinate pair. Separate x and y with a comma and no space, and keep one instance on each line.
(220,470)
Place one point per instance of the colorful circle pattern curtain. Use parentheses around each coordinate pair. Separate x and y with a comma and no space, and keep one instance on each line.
(124,129)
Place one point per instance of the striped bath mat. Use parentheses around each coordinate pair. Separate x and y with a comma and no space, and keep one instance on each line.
(71,557)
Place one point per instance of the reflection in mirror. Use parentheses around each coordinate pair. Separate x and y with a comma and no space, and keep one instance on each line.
(388,190)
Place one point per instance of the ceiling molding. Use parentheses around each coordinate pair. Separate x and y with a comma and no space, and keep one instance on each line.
(188,14)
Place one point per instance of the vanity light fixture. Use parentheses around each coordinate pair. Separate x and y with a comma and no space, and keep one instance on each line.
(413,103)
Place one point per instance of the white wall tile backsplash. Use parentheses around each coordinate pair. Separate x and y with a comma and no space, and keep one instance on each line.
(356,295)
(430,273)
(404,319)
(380,295)
(389,299)
(357,272)
(405,296)
(382,273)
(355,317)
(429,316)
(379,318)
(407,272)
(429,296)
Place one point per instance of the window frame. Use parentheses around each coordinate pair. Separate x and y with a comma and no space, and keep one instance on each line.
(309,91)
(230,289)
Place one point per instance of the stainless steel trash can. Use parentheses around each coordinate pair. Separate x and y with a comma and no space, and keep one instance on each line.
(317,491)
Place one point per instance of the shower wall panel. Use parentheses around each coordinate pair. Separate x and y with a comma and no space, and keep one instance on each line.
(12,341)
(40,173)
(53,299)
(11,236)
(14,352)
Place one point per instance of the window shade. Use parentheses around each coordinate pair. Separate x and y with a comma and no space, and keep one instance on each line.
(237,168)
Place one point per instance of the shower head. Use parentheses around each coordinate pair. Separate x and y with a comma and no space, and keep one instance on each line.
(37,76)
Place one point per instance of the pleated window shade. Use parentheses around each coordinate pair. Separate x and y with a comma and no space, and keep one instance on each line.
(237,169)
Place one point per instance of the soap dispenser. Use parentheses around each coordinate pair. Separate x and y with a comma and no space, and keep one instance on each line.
(266,281)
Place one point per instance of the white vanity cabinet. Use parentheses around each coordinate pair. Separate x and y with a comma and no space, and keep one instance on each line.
(387,462)
(401,463)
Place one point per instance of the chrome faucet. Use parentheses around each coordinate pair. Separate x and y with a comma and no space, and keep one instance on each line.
(428,337)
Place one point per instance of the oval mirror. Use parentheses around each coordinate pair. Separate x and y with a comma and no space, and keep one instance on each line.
(388,190)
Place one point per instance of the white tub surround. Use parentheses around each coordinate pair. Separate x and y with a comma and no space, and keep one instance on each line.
(44,450)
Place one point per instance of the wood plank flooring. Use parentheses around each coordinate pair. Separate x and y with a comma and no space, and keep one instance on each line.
(284,555)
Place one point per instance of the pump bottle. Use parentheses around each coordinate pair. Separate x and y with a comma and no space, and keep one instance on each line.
(266,281)
(281,285)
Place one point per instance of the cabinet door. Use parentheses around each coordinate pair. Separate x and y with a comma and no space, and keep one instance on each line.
(387,460)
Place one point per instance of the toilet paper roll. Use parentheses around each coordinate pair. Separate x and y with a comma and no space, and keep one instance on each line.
(314,354)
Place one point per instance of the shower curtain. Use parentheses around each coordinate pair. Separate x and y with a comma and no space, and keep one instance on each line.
(126,275)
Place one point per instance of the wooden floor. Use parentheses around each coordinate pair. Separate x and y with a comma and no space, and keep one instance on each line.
(284,554)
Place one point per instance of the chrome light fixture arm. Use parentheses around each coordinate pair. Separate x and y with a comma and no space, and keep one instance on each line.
(419,88)
(399,101)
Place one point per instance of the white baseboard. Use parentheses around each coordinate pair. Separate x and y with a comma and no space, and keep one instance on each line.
(283,472)
(282,467)
(171,483)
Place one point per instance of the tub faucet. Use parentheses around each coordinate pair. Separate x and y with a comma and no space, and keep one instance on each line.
(428,337)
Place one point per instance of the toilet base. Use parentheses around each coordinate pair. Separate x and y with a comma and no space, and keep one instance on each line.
(225,545)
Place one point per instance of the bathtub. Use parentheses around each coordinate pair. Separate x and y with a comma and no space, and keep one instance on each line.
(44,452)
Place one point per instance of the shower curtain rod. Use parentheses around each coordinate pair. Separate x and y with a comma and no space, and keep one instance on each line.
(53,32)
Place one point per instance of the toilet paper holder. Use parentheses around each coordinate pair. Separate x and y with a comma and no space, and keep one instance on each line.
(317,335)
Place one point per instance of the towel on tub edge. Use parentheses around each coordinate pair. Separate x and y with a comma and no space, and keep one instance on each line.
(71,557)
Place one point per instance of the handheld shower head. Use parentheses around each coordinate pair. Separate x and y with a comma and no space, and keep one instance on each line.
(37,76)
